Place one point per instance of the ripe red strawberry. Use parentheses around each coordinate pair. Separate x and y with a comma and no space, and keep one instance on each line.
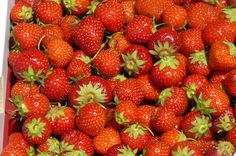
(223,148)
(174,98)
(107,138)
(32,3)
(169,71)
(49,13)
(61,118)
(178,121)
(13,56)
(172,137)
(144,117)
(108,63)
(13,151)
(27,35)
(198,64)
(129,89)
(76,7)
(76,140)
(120,149)
(111,14)
(139,29)
(126,113)
(187,147)
(192,83)
(79,54)
(22,89)
(21,12)
(137,60)
(191,41)
(231,136)
(200,14)
(157,148)
(56,85)
(152,8)
(195,125)
(163,119)
(205,146)
(51,146)
(114,81)
(229,82)
(218,77)
(219,31)
(135,136)
(91,119)
(175,16)
(129,10)
(111,121)
(88,35)
(36,130)
(51,32)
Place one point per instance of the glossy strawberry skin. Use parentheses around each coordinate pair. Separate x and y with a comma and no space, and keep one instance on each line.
(192,146)
(22,89)
(231,136)
(88,35)
(51,32)
(171,137)
(81,6)
(13,150)
(145,115)
(229,83)
(115,150)
(129,10)
(13,55)
(158,148)
(17,12)
(17,139)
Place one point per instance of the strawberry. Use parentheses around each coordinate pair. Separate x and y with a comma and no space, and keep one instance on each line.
(135,136)
(76,7)
(129,10)
(150,90)
(191,41)
(118,42)
(186,148)
(56,85)
(200,14)
(13,56)
(223,148)
(152,8)
(111,121)
(61,118)
(139,29)
(198,64)
(178,121)
(218,77)
(222,56)
(107,138)
(80,55)
(108,63)
(172,137)
(126,113)
(169,71)
(175,16)
(120,149)
(22,89)
(205,146)
(163,119)
(50,33)
(137,60)
(32,3)
(27,35)
(114,81)
(144,116)
(21,12)
(49,13)
(76,140)
(231,136)
(13,150)
(157,148)
(88,35)
(219,31)
(174,98)
(111,14)
(36,130)
(229,82)
(72,153)
(50,146)
(129,89)
(192,83)
(195,125)
(91,119)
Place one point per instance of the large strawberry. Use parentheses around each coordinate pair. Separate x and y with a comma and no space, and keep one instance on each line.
(51,32)
(76,7)
(172,137)
(157,148)
(129,10)
(88,35)
(222,148)
(22,89)
(27,35)
(76,140)
(120,149)
(144,116)
(188,148)
(107,138)
(61,118)
(21,12)
(137,60)
(111,15)
(13,55)
(229,83)
(36,130)
(14,150)
(91,119)
(50,146)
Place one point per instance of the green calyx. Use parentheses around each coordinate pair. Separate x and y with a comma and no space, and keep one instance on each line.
(65,146)
(119,77)
(232,48)
(127,151)
(226,123)
(165,94)
(18,102)
(182,137)
(203,105)
(167,61)
(191,90)
(70,5)
(26,14)
(225,148)
(230,14)
(36,128)
(43,154)
(201,126)
(183,152)
(213,2)
(85,59)
(55,112)
(120,119)
(135,130)
(77,78)
(199,57)
(76,153)
(92,7)
(53,145)
(90,93)
(132,62)
(30,151)
(162,50)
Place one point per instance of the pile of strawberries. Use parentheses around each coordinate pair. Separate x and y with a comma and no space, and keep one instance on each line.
(123,78)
